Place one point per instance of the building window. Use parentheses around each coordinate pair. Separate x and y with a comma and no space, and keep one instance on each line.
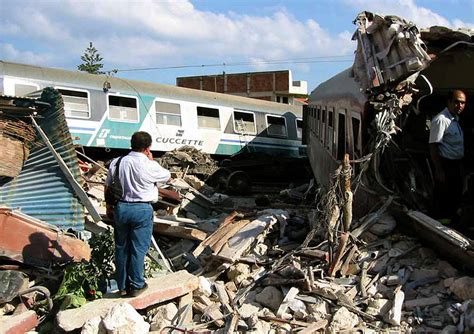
(299,128)
(276,126)
(244,122)
(76,103)
(323,127)
(168,113)
(122,108)
(208,118)
(25,89)
(284,99)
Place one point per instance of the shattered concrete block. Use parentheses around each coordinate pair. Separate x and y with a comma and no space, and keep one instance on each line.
(247,309)
(420,274)
(463,288)
(378,307)
(94,326)
(448,282)
(319,310)
(163,317)
(205,287)
(394,316)
(384,226)
(11,282)
(446,270)
(299,308)
(21,323)
(270,297)
(124,319)
(343,319)
(238,273)
(262,327)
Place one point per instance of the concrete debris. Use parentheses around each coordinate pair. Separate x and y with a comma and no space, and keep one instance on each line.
(163,317)
(343,319)
(122,318)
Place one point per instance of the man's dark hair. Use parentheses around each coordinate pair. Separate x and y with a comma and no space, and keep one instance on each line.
(140,141)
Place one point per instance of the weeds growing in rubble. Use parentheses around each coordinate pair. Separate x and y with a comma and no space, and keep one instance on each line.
(88,280)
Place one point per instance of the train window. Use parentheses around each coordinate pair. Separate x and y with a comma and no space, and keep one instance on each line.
(122,108)
(341,136)
(299,128)
(76,103)
(323,127)
(168,113)
(24,89)
(276,126)
(356,136)
(208,118)
(244,122)
(330,131)
(318,119)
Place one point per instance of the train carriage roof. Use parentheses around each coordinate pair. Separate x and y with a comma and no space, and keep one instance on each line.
(76,79)
(340,85)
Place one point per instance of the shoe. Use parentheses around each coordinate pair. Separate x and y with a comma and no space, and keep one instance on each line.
(123,293)
(137,292)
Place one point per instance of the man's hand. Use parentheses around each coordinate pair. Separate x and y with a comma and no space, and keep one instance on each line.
(149,154)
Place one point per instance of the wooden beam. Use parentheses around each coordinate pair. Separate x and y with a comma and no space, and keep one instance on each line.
(179,231)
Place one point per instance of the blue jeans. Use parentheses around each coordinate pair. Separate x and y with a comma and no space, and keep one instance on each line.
(133,231)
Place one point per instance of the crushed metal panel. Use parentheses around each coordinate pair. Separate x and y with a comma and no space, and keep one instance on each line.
(42,190)
(28,240)
(389,49)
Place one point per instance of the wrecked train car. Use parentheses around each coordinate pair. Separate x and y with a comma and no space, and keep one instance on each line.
(103,112)
(379,110)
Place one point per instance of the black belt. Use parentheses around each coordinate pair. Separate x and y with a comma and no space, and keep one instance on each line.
(137,202)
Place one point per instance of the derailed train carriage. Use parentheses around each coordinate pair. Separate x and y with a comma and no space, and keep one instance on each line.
(379,111)
(102,112)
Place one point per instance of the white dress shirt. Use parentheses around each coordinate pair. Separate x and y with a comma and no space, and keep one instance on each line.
(139,177)
(446,131)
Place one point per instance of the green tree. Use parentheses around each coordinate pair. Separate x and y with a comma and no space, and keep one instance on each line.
(91,61)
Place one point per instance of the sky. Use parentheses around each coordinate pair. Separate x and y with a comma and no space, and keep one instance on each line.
(176,38)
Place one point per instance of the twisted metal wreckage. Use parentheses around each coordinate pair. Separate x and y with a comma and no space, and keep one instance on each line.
(390,64)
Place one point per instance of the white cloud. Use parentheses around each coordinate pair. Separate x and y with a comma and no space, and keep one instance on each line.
(152,33)
(8,51)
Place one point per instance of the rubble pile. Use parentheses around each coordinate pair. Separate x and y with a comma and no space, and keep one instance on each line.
(188,160)
(246,265)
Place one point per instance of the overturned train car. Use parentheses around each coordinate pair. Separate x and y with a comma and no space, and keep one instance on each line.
(379,110)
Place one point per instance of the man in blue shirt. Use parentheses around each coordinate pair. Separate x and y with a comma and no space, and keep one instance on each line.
(447,150)
(139,175)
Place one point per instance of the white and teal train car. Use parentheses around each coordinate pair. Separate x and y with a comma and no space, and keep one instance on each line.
(104,112)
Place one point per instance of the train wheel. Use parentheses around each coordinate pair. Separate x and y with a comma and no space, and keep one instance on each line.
(219,178)
(238,183)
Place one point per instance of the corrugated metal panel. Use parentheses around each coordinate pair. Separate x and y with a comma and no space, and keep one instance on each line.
(42,190)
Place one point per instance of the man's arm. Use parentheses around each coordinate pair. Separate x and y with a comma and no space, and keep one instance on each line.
(435,157)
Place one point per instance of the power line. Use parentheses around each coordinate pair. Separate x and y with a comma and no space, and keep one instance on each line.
(308,60)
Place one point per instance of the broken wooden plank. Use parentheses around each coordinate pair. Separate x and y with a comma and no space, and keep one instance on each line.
(232,230)
(179,231)
(216,235)
(290,296)
(336,263)
(372,219)
(347,262)
(209,309)
(314,327)
(185,309)
(241,241)
(232,324)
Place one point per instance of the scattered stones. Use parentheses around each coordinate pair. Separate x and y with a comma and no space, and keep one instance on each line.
(270,297)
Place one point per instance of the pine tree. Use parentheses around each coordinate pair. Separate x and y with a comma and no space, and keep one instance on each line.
(91,61)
